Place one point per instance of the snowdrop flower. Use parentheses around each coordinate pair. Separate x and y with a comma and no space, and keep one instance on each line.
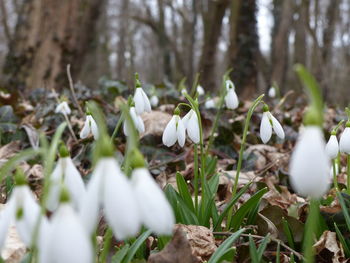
(332,147)
(183,91)
(269,122)
(110,189)
(174,131)
(210,104)
(90,127)
(138,122)
(155,210)
(142,103)
(64,233)
(154,101)
(231,98)
(309,166)
(63,108)
(344,143)
(65,172)
(191,124)
(23,210)
(200,90)
(272,92)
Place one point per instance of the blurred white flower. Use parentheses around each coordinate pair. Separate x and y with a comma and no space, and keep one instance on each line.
(155,210)
(110,189)
(183,91)
(65,173)
(90,127)
(272,92)
(23,210)
(269,122)
(138,122)
(200,90)
(174,131)
(309,166)
(63,108)
(332,147)
(66,240)
(142,103)
(210,104)
(331,174)
(231,98)
(190,121)
(344,143)
(154,101)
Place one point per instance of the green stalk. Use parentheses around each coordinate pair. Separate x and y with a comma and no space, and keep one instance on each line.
(310,231)
(348,173)
(196,185)
(116,129)
(241,151)
(107,245)
(335,179)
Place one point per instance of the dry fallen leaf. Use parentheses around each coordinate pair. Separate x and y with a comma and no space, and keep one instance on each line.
(327,248)
(155,122)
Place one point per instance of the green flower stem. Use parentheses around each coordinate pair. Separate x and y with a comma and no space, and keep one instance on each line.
(241,151)
(116,129)
(106,245)
(196,185)
(335,179)
(348,173)
(310,231)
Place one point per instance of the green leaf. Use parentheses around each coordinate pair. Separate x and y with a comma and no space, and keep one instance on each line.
(183,191)
(342,241)
(263,246)
(187,217)
(253,251)
(288,233)
(136,245)
(344,209)
(224,247)
(211,166)
(118,257)
(238,217)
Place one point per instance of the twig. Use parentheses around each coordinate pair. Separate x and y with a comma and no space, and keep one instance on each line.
(66,117)
(300,256)
(73,92)
(283,100)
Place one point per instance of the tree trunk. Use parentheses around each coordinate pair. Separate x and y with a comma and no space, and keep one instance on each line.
(49,35)
(212,20)
(244,50)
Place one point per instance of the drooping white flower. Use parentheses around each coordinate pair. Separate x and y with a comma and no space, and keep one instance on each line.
(174,131)
(142,103)
(110,189)
(23,210)
(65,173)
(90,127)
(155,210)
(154,101)
(200,90)
(231,98)
(272,92)
(138,122)
(269,122)
(190,121)
(210,104)
(309,166)
(66,240)
(63,108)
(344,142)
(183,91)
(332,147)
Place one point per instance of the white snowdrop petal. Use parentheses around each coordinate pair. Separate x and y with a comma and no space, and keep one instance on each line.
(344,143)
(6,217)
(277,127)
(180,132)
(146,103)
(120,205)
(94,128)
(69,242)
(170,135)
(156,212)
(140,125)
(200,90)
(66,108)
(229,84)
(272,92)
(210,104)
(193,128)
(309,166)
(73,182)
(186,118)
(154,101)
(265,128)
(332,147)
(139,101)
(55,186)
(126,128)
(86,129)
(231,99)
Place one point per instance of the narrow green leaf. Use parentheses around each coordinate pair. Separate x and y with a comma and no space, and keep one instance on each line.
(287,231)
(342,241)
(253,251)
(136,245)
(263,246)
(344,209)
(118,257)
(184,192)
(278,251)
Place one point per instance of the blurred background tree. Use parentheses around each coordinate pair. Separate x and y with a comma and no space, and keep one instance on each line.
(166,40)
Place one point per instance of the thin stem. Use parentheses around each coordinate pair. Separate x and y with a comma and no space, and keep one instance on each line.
(335,179)
(196,186)
(116,129)
(73,91)
(311,228)
(107,245)
(70,127)
(348,173)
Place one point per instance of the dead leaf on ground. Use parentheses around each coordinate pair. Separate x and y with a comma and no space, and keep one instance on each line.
(8,150)
(178,250)
(327,248)
(32,134)
(155,122)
